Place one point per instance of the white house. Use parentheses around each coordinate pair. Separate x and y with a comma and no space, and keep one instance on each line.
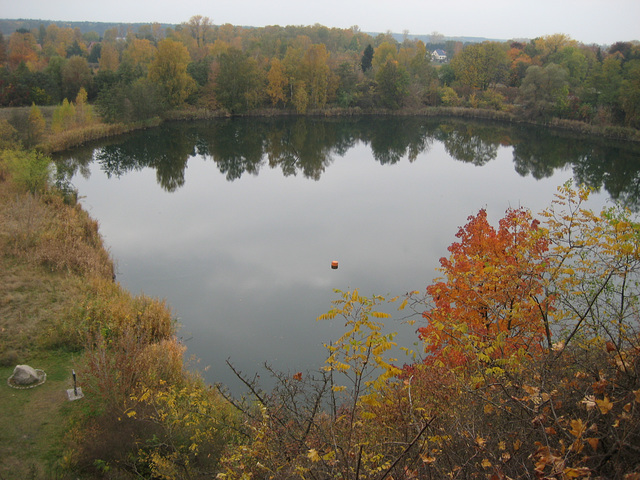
(439,55)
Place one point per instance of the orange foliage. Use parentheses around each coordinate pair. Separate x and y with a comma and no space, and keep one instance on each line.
(490,302)
(22,48)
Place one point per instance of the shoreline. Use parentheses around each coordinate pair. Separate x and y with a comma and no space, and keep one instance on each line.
(78,137)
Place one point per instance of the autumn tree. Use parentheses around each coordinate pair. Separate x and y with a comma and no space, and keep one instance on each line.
(519,62)
(22,49)
(480,65)
(169,70)
(383,52)
(549,45)
(109,58)
(488,304)
(276,82)
(137,57)
(292,62)
(423,85)
(76,74)
(37,125)
(392,83)
(315,73)
(111,36)
(199,28)
(64,117)
(544,90)
(84,111)
(300,98)
(238,82)
(419,61)
(525,286)
(60,41)
(51,41)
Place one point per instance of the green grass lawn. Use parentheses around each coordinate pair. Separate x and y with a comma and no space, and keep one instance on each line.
(33,421)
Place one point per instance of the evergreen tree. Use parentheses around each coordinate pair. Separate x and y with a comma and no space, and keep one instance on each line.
(367,58)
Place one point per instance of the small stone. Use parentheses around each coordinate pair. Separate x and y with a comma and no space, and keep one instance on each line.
(24,375)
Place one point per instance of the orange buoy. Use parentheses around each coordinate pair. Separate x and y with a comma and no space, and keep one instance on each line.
(334,264)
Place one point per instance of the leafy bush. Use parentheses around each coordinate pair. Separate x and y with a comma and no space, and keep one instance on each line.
(148,415)
(449,97)
(29,170)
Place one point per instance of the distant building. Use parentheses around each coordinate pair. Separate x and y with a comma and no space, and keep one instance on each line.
(439,55)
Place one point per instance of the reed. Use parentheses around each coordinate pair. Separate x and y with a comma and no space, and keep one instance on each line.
(81,135)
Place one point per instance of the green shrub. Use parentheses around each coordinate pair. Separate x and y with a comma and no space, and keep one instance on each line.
(449,97)
(29,170)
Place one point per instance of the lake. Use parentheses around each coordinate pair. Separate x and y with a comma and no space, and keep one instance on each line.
(235,222)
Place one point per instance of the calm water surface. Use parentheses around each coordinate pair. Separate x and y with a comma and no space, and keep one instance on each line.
(235,222)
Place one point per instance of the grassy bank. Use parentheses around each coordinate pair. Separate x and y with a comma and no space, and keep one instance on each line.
(60,310)
(47,249)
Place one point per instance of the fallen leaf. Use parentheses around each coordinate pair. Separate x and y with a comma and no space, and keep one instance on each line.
(428,459)
(593,442)
(313,455)
(577,428)
(605,405)
(572,472)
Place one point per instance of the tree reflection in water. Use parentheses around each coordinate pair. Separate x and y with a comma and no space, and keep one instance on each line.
(307,146)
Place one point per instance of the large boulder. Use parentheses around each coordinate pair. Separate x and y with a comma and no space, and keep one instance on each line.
(24,375)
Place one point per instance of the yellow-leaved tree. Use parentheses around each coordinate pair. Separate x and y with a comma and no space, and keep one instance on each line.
(169,70)
(277,82)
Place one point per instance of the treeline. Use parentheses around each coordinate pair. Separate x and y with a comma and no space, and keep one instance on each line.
(141,74)
(91,30)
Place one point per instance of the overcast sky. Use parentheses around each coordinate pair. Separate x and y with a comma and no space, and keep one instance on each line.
(588,21)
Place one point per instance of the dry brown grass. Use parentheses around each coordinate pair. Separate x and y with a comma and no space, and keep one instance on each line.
(32,301)
(43,230)
(81,135)
(46,247)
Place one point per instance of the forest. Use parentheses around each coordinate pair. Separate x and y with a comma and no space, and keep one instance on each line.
(132,75)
